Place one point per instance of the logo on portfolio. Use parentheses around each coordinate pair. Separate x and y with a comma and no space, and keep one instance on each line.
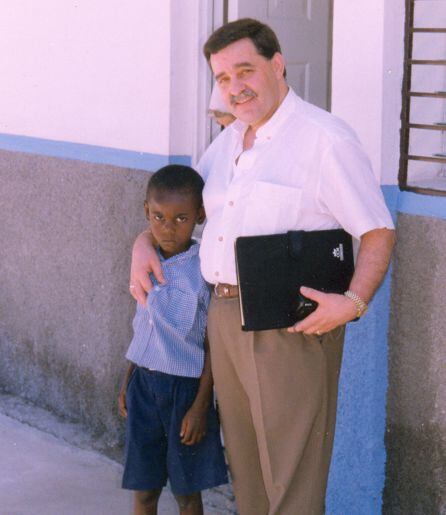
(338,252)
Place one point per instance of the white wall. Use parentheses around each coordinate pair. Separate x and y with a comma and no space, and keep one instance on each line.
(367,76)
(87,71)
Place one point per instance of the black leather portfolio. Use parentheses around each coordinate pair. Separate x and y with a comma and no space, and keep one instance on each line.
(271,269)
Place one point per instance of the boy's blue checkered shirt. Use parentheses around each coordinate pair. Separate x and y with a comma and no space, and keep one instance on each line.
(169,333)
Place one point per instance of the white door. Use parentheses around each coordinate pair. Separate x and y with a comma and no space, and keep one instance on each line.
(304,31)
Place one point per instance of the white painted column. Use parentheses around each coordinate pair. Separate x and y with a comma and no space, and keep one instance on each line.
(367,75)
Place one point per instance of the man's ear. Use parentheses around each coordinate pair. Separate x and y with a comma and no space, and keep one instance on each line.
(147,209)
(201,216)
(278,62)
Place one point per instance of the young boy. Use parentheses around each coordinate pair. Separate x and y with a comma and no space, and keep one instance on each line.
(172,430)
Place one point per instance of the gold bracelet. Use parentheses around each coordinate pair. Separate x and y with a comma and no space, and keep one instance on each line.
(361,306)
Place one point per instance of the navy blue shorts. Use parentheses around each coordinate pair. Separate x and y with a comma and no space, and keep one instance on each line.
(156,405)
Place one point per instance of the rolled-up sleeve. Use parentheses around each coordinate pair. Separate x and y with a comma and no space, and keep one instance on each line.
(349,191)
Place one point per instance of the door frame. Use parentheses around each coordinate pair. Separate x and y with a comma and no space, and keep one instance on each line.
(212,14)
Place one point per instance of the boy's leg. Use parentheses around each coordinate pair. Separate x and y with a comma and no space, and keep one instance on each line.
(190,504)
(191,468)
(146,445)
(146,502)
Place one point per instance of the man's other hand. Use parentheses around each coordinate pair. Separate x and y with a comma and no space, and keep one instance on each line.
(144,260)
(333,310)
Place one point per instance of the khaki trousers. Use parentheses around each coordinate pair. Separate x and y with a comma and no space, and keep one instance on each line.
(277,395)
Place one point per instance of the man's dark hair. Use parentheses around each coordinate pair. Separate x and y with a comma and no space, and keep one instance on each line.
(262,36)
(176,179)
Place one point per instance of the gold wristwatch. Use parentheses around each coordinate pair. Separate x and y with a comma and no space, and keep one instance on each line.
(361,306)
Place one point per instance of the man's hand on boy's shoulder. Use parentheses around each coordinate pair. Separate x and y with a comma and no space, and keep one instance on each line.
(193,427)
(144,260)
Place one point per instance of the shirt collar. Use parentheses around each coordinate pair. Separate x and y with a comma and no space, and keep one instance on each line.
(187,254)
(269,129)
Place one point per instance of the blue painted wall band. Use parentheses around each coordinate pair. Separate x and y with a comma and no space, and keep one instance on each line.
(90,153)
(421,205)
(398,201)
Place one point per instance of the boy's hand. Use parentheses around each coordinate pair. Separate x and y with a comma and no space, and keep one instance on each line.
(122,405)
(193,427)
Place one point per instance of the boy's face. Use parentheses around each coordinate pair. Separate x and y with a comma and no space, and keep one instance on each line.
(172,218)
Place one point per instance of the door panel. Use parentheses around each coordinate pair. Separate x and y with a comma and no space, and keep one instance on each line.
(304,31)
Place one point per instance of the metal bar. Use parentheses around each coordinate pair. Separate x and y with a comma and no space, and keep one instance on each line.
(405,107)
(438,94)
(432,62)
(440,160)
(431,30)
(424,191)
(432,127)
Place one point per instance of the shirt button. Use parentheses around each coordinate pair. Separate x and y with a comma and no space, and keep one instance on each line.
(151,322)
(231,203)
(217,273)
(157,288)
(220,238)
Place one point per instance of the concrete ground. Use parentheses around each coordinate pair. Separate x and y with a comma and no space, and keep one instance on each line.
(43,474)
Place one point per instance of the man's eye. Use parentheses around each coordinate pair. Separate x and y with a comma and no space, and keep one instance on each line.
(223,80)
(245,73)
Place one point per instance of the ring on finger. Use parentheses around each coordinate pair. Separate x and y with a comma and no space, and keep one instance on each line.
(132,286)
(318,333)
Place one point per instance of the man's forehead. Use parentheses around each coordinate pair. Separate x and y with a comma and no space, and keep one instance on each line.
(236,55)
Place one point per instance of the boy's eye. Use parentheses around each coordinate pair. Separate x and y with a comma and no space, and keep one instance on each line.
(158,218)
(181,219)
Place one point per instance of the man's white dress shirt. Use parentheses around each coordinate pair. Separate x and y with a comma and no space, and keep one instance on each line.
(306,170)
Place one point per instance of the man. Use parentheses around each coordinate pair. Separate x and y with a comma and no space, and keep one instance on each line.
(283,164)
(218,110)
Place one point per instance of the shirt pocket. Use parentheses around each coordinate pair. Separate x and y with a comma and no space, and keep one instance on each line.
(271,209)
(173,309)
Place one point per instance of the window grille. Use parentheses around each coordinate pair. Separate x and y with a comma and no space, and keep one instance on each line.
(423,133)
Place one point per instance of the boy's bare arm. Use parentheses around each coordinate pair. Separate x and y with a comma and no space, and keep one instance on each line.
(193,427)
(122,405)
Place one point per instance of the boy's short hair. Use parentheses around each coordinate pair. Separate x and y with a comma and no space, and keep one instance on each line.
(177,179)
(261,35)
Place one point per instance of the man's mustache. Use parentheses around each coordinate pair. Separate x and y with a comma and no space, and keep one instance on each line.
(246,93)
